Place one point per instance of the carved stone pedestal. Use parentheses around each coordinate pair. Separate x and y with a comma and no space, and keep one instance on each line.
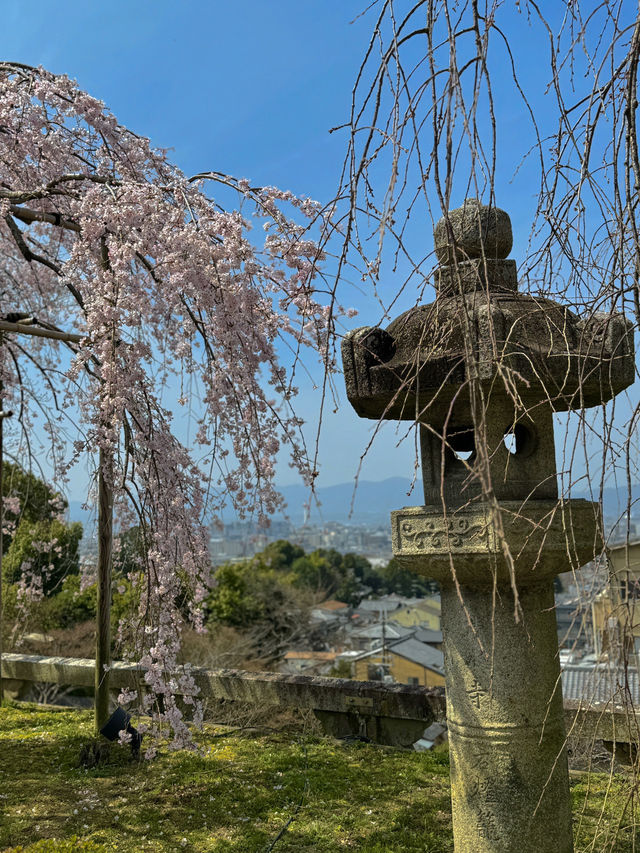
(509,773)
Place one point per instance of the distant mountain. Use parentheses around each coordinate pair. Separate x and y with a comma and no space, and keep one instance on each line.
(616,501)
(371,502)
(374,500)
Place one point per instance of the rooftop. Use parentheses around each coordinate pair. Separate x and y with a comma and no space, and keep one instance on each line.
(601,683)
(420,653)
(414,651)
(427,635)
(391,631)
(332,604)
(306,655)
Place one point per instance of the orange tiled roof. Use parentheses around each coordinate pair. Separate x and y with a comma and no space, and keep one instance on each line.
(332,604)
(293,655)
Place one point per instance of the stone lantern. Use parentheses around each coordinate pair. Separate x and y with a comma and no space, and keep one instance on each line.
(482,370)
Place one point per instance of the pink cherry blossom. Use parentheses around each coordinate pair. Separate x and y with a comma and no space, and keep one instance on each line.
(103,236)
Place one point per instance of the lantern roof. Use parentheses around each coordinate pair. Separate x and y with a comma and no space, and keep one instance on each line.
(481,329)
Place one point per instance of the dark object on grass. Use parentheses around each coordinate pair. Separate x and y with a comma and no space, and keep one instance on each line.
(355,739)
(118,721)
(93,753)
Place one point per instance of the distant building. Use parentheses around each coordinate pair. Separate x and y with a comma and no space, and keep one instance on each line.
(330,617)
(424,612)
(242,539)
(331,612)
(429,636)
(406,661)
(616,610)
(408,612)
(374,609)
(574,618)
(332,605)
(312,663)
(598,683)
(371,636)
(240,546)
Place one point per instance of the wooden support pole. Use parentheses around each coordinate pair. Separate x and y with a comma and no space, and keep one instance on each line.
(103,624)
(3,415)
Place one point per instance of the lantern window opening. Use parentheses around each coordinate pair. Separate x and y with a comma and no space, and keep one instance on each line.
(520,440)
(462,443)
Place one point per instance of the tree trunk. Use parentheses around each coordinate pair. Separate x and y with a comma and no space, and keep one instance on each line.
(103,626)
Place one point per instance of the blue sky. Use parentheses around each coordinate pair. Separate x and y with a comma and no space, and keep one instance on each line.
(248,87)
(251,88)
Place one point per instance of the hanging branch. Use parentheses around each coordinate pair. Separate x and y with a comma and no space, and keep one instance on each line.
(76,188)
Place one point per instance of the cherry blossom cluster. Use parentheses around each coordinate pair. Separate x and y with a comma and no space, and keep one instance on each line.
(101,235)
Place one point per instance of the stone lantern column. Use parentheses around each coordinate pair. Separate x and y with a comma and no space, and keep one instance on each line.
(481,371)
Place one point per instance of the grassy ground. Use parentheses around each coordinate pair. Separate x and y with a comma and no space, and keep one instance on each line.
(242,792)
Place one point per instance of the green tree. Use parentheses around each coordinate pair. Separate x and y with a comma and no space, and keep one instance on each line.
(252,596)
(364,572)
(397,579)
(130,551)
(349,589)
(321,570)
(233,601)
(341,669)
(36,500)
(44,549)
(71,605)
(38,542)
(327,570)
(281,554)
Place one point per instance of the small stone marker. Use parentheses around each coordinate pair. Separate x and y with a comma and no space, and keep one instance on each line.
(481,370)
